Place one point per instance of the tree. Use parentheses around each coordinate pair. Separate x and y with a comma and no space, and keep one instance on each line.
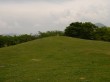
(88,30)
(74,29)
(81,30)
(2,41)
(102,34)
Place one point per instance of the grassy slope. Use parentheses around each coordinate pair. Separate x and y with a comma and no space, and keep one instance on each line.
(56,59)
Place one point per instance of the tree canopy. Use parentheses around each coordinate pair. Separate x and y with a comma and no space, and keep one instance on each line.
(87,30)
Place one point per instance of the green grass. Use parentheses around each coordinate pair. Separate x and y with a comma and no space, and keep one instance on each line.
(56,59)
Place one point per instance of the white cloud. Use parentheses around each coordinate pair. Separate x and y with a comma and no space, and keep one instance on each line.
(29,17)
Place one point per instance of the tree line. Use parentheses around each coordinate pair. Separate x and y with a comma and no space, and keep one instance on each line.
(88,30)
(81,30)
(8,40)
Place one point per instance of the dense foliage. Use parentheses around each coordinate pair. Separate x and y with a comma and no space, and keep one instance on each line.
(50,33)
(7,40)
(13,40)
(87,30)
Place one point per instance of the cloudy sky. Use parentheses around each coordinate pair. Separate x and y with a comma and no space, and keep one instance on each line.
(31,16)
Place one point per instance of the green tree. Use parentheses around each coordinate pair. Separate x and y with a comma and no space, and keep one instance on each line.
(102,34)
(81,30)
(88,30)
(74,29)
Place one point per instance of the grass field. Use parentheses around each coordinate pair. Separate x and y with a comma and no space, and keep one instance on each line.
(56,59)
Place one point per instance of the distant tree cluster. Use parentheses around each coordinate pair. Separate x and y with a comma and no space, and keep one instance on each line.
(87,30)
(50,33)
(7,40)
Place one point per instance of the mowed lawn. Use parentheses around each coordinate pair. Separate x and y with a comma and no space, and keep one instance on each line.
(56,59)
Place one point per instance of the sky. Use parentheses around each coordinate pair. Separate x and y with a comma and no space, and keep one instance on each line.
(31,16)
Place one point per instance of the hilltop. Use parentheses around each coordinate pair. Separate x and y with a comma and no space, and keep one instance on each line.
(56,59)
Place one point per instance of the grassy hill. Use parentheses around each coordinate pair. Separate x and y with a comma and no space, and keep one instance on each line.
(56,59)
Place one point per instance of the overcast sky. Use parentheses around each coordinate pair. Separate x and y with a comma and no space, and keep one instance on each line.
(31,16)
